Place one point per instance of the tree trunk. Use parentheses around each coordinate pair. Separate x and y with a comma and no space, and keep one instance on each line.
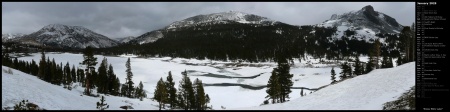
(87,84)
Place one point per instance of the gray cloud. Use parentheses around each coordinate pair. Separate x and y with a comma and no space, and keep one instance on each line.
(122,19)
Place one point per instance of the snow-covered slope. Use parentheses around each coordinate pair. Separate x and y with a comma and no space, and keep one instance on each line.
(222,17)
(148,37)
(365,92)
(125,39)
(21,86)
(70,36)
(9,36)
(365,23)
(204,20)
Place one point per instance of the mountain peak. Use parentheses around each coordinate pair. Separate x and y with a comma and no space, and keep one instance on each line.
(365,22)
(369,9)
(64,36)
(220,18)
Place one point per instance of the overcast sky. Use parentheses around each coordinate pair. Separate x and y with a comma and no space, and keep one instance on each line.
(123,19)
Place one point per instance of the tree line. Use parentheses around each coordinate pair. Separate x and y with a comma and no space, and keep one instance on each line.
(104,80)
(258,43)
(189,96)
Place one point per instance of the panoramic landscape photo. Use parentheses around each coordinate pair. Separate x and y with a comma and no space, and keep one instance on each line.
(208,56)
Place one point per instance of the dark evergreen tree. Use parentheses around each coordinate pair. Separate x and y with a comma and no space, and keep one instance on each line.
(384,62)
(73,74)
(333,76)
(273,87)
(102,80)
(185,92)
(93,78)
(113,82)
(129,80)
(406,43)
(140,93)
(399,61)
(102,105)
(68,75)
(81,77)
(89,61)
(207,99)
(123,90)
(172,91)
(53,73)
(42,67)
(370,63)
(116,87)
(284,77)
(34,67)
(200,95)
(389,63)
(358,69)
(377,52)
(48,73)
(160,93)
(346,71)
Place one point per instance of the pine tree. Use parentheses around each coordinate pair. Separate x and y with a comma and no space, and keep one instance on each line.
(384,62)
(93,79)
(199,95)
(53,73)
(389,63)
(207,99)
(273,87)
(399,61)
(185,92)
(42,67)
(358,68)
(370,63)
(284,78)
(345,71)
(113,85)
(129,80)
(140,93)
(172,91)
(102,76)
(81,77)
(89,61)
(377,52)
(73,73)
(116,87)
(407,43)
(102,105)
(68,76)
(333,76)
(123,90)
(160,93)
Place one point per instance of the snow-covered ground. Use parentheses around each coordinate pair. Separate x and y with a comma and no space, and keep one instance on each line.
(20,86)
(365,92)
(310,74)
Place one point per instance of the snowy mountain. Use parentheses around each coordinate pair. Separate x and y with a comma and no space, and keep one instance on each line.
(10,36)
(362,23)
(221,18)
(365,92)
(205,20)
(148,37)
(125,39)
(64,36)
